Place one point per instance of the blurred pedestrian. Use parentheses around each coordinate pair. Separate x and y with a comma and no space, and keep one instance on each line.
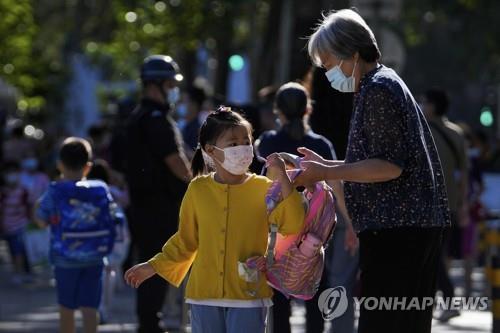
(114,261)
(17,146)
(477,210)
(82,218)
(293,107)
(36,183)
(189,111)
(268,119)
(157,174)
(223,222)
(33,179)
(394,187)
(15,214)
(100,139)
(451,147)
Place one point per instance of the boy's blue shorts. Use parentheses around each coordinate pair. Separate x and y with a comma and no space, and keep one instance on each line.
(16,243)
(79,287)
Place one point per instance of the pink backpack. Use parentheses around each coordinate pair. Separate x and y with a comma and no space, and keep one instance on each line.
(294,263)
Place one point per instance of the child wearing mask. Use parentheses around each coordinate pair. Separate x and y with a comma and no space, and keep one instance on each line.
(35,181)
(222,223)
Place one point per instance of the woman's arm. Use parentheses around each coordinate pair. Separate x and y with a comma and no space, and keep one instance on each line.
(367,171)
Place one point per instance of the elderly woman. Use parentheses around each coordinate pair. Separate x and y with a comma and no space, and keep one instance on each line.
(394,185)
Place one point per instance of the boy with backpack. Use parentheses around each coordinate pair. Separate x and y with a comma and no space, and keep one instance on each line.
(82,218)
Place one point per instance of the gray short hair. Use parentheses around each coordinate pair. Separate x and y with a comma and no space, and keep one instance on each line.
(343,33)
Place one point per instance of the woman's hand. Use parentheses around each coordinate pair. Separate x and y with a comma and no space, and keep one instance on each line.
(351,241)
(313,172)
(138,274)
(309,155)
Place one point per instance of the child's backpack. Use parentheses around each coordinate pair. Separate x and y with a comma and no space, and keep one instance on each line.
(87,218)
(294,263)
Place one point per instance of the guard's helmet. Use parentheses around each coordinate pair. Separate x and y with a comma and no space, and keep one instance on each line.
(159,68)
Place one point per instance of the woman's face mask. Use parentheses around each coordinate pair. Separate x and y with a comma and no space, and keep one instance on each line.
(339,81)
(237,159)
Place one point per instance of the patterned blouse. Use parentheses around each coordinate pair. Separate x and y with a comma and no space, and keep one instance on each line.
(388,124)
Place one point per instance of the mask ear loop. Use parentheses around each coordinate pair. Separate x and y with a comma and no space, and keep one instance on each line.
(354,68)
(222,150)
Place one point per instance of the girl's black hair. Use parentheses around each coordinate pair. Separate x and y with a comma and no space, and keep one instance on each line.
(292,100)
(214,126)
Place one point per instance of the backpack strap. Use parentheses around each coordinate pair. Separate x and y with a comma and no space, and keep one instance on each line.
(272,244)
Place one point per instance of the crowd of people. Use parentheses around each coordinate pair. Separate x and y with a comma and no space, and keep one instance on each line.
(146,159)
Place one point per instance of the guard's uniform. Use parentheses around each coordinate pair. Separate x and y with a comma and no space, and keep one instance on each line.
(156,194)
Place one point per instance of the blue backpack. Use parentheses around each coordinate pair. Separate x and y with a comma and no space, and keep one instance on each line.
(87,217)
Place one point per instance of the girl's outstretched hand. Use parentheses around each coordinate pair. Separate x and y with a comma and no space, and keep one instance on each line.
(138,274)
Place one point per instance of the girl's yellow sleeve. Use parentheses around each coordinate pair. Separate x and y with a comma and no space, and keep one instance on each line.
(178,253)
(289,214)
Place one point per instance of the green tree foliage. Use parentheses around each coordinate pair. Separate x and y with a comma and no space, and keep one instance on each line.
(17,32)
(458,39)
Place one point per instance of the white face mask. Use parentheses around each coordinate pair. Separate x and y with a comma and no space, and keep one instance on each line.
(237,159)
(339,81)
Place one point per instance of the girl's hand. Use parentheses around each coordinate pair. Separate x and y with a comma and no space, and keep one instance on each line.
(276,167)
(138,274)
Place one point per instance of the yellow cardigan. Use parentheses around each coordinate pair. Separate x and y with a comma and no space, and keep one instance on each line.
(220,225)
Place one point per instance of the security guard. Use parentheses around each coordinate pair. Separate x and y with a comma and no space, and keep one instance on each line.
(157,173)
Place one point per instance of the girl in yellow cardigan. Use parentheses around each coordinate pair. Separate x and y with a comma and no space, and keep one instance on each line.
(223,221)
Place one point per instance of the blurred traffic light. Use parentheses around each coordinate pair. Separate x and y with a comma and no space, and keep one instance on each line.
(236,62)
(486,117)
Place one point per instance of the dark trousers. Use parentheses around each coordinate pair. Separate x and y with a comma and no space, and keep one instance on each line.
(153,222)
(399,262)
(444,281)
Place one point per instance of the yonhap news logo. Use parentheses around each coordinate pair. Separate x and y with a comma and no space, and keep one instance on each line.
(333,302)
